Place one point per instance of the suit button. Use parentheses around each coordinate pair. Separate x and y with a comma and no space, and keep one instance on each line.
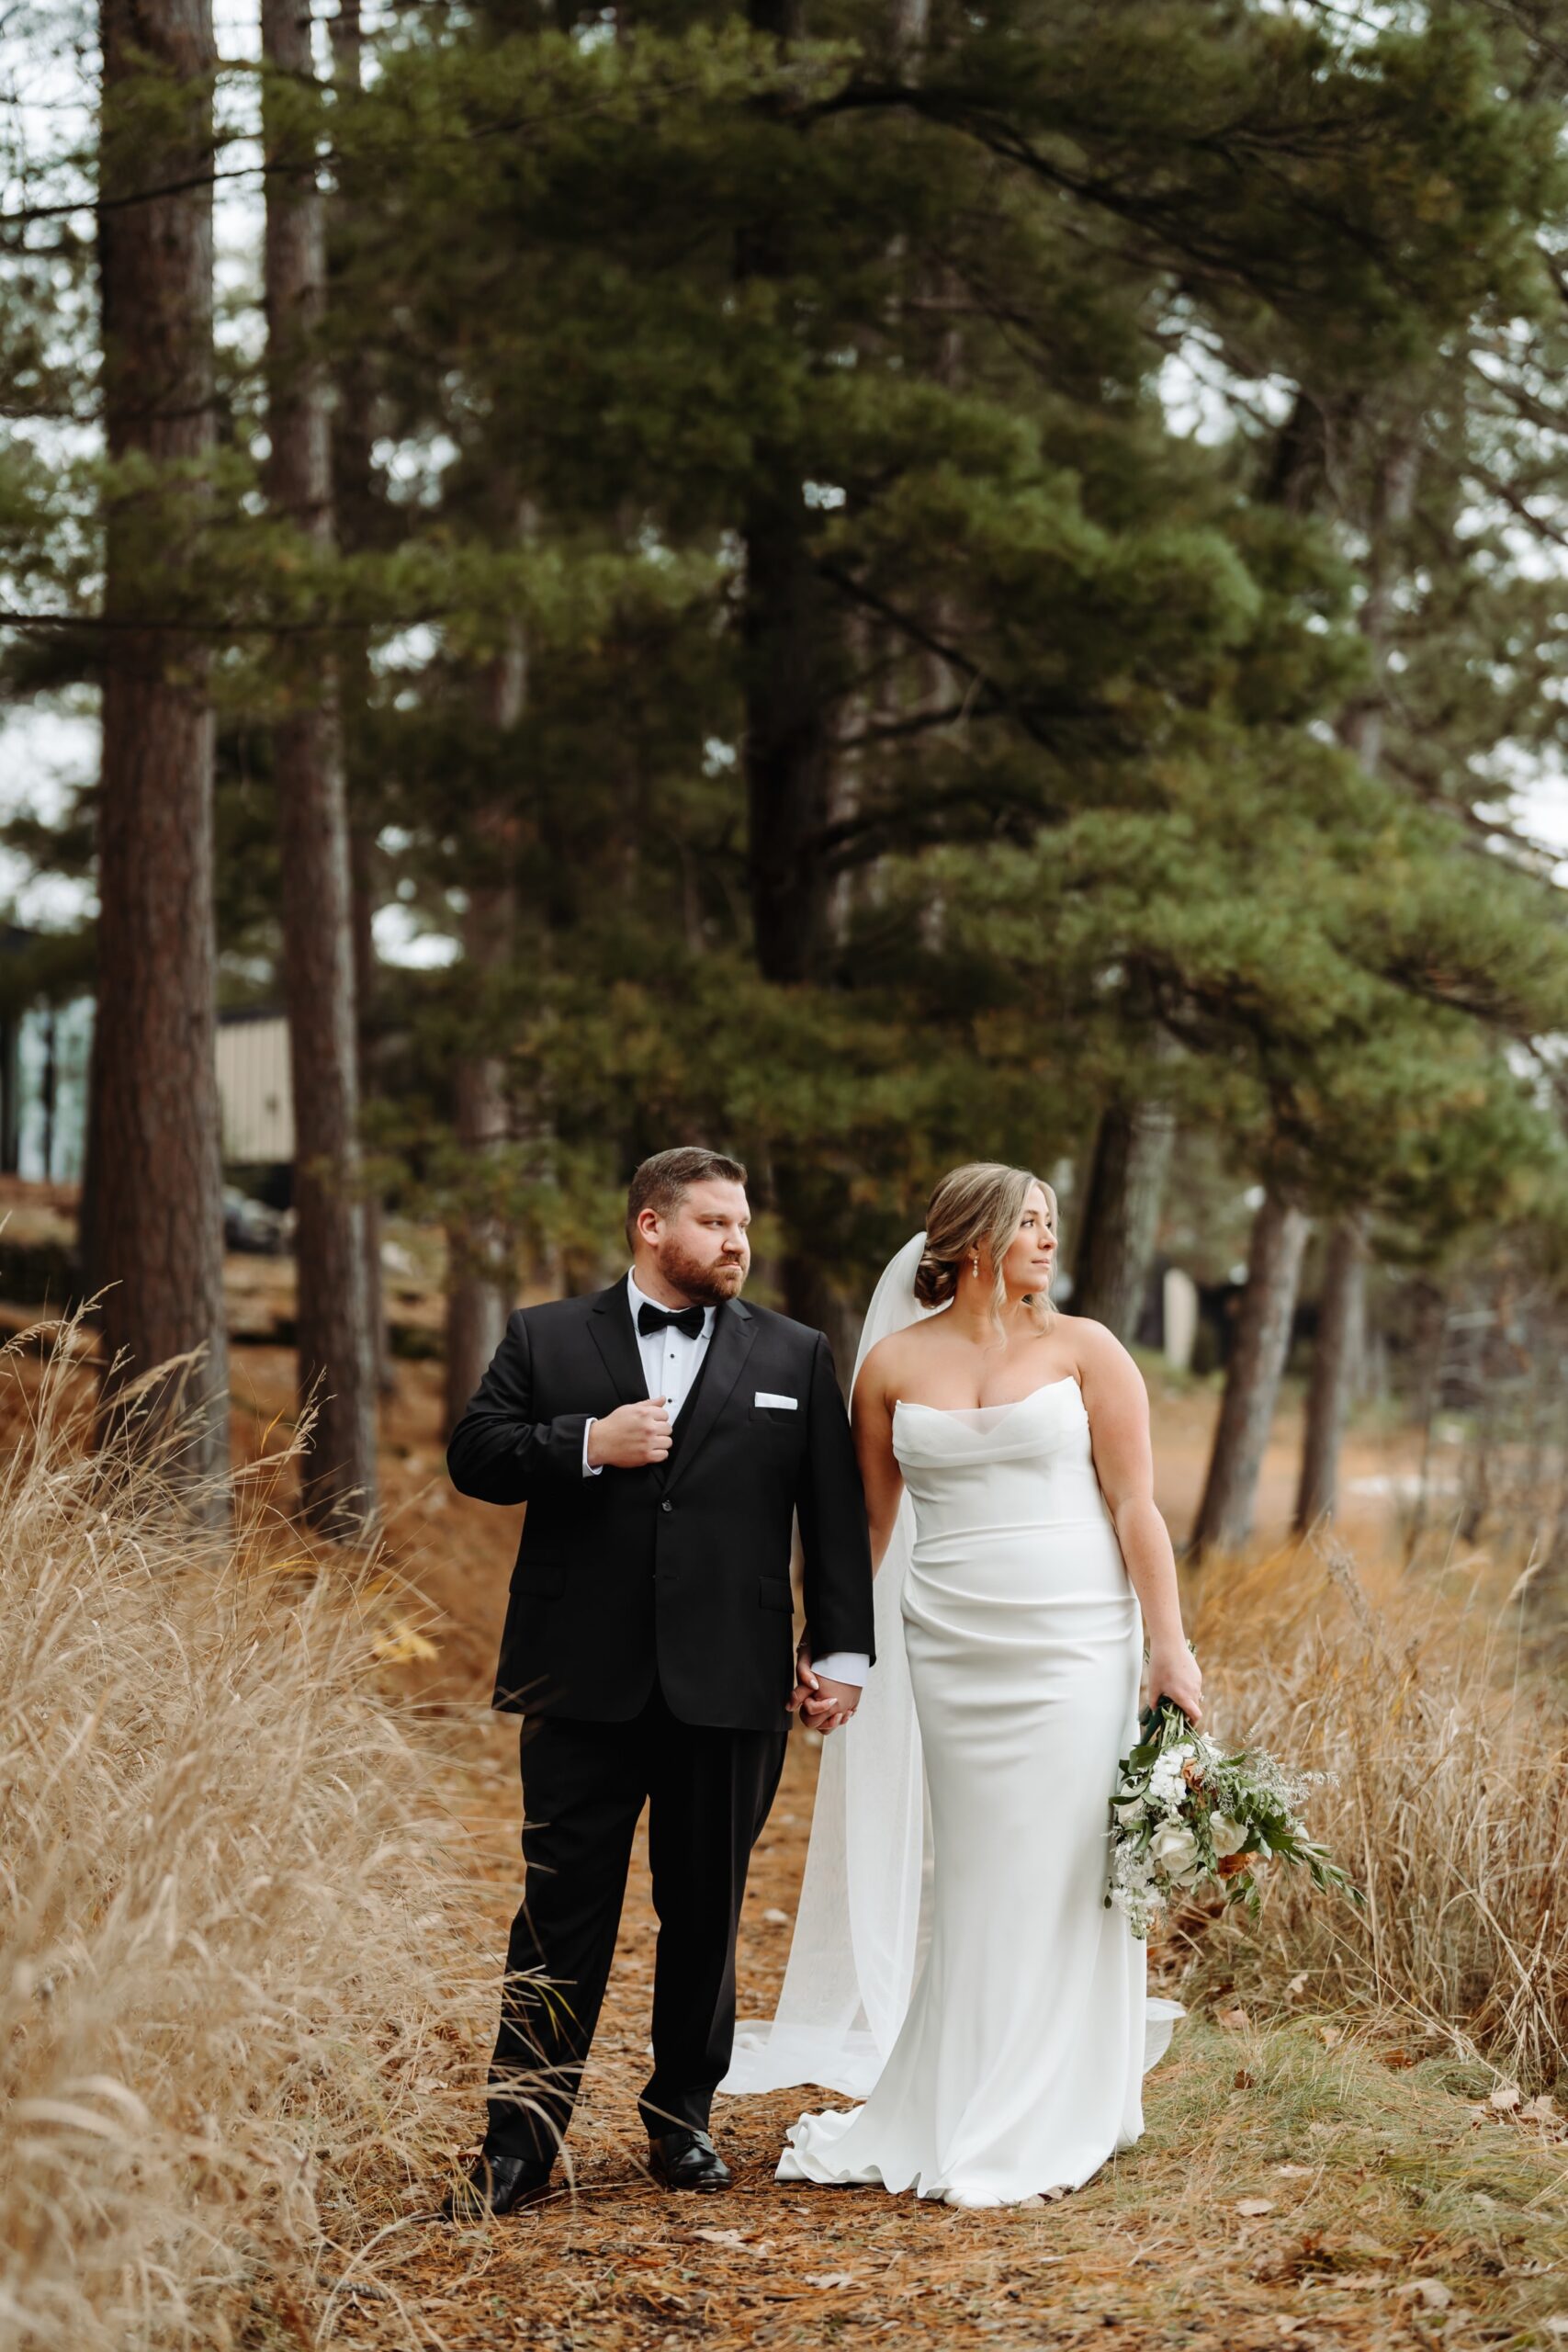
(666,1504)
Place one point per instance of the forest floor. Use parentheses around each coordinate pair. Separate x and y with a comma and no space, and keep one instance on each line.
(1303,2181)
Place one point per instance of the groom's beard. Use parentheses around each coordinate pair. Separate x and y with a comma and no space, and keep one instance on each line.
(705,1284)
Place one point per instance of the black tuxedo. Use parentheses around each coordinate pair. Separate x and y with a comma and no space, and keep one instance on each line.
(649,1647)
(681,1571)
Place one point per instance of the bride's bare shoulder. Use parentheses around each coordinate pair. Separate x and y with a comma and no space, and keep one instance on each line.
(1093,1347)
(886,1363)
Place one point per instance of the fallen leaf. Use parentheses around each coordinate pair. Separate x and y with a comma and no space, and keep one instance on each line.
(1329,2034)
(1505,2098)
(1431,2292)
(830,2278)
(720,2237)
(1251,2206)
(1294,2172)
(1241,2080)
(1557,2325)
(1397,2058)
(1540,2110)
(1294,1991)
(1233,2018)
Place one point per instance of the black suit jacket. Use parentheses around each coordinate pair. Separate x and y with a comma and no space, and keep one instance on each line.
(680,1570)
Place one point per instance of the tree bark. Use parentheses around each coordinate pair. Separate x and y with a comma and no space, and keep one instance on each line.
(338,1486)
(155,1200)
(789,740)
(1120,1218)
(356,509)
(480,1279)
(1252,1377)
(1337,1357)
(787,634)
(792,674)
(1335,1361)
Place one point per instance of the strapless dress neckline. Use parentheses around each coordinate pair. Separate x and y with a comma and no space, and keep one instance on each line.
(973,1412)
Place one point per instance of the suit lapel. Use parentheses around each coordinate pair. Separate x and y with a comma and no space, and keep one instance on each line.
(609,1321)
(734,1329)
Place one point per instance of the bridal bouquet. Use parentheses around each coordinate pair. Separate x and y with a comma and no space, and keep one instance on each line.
(1185,1816)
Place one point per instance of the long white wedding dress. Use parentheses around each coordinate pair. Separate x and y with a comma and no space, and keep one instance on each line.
(1006,2057)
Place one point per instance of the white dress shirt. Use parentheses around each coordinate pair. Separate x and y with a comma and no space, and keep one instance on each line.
(671,1363)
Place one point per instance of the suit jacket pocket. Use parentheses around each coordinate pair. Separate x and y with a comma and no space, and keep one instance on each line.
(775,1416)
(774,1592)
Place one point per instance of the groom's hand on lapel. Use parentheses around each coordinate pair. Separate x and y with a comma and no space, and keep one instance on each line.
(631,1437)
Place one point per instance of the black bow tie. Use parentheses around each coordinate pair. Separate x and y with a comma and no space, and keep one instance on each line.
(688,1319)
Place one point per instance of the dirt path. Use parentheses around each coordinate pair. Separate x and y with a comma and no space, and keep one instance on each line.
(1293,2188)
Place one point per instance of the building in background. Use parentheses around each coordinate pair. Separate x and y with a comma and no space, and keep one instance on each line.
(45,1049)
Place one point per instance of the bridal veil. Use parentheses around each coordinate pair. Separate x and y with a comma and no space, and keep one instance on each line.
(851,1963)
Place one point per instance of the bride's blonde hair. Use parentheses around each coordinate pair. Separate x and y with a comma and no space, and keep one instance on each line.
(978,1205)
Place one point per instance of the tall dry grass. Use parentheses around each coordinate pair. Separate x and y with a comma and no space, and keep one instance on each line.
(231,1949)
(1449,1801)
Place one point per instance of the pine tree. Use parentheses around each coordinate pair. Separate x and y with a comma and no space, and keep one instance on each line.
(338,1479)
(155,1239)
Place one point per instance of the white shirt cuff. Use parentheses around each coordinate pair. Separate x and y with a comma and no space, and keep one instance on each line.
(844,1666)
(590,1469)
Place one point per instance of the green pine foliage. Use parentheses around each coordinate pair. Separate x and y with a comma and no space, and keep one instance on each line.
(605,289)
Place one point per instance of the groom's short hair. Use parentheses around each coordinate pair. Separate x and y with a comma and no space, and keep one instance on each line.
(663,1182)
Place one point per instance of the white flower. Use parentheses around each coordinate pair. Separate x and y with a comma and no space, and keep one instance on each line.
(1175,1849)
(1129,1813)
(1167,1784)
(1229,1836)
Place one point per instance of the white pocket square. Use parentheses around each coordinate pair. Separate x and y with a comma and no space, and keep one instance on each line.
(779,1404)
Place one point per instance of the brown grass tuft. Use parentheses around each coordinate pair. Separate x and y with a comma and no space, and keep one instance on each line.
(1449,1802)
(232,1970)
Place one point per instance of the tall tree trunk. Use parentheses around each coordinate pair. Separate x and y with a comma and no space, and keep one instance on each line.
(1252,1377)
(356,512)
(789,740)
(366,975)
(1336,1360)
(338,1482)
(793,673)
(156,1200)
(788,632)
(481,1272)
(1120,1218)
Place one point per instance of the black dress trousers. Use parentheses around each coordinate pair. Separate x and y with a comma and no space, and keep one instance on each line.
(584,1786)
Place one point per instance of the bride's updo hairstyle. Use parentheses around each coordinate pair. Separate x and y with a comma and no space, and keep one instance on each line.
(979,1205)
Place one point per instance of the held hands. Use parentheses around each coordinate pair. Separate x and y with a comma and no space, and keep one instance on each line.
(822,1704)
(1175,1674)
(631,1437)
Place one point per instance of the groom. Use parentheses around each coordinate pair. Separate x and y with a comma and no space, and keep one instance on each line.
(664,1437)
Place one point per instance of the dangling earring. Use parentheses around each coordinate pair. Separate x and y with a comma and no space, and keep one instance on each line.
(975,1263)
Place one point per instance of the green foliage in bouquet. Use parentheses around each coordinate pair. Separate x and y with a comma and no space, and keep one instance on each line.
(1186,1816)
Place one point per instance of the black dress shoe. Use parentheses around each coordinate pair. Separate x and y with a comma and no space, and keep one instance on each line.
(496,2184)
(684,2159)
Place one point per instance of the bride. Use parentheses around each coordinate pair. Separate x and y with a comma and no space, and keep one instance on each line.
(953,1955)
